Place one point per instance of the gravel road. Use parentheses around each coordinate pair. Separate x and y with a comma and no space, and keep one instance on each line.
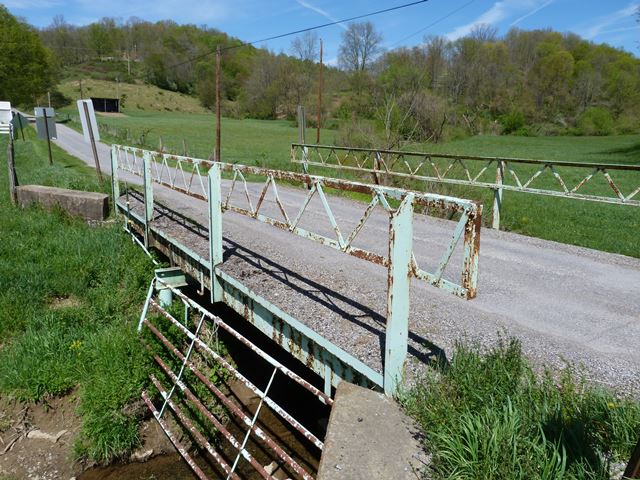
(565,303)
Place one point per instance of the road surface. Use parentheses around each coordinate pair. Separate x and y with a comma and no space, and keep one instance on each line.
(565,303)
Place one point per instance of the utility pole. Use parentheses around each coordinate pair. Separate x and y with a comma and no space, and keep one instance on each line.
(49,98)
(319,98)
(217,154)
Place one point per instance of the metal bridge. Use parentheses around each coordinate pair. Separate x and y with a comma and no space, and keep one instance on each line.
(539,177)
(203,180)
(565,303)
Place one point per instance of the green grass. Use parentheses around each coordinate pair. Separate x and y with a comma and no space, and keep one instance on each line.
(68,307)
(487,416)
(610,228)
(600,226)
(252,142)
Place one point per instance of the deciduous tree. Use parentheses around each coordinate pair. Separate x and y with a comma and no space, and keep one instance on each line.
(360,45)
(306,47)
(26,66)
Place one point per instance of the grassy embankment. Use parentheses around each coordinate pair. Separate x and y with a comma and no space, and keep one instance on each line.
(486,416)
(137,96)
(609,228)
(70,298)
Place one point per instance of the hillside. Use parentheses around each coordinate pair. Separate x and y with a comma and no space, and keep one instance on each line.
(137,96)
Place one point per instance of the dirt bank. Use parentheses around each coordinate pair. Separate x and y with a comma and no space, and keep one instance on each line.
(36,440)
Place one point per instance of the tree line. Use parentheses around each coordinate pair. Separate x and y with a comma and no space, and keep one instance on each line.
(525,82)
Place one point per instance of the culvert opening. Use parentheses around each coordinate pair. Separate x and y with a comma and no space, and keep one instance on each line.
(255,366)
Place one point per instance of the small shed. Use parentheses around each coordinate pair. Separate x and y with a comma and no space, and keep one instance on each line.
(107,105)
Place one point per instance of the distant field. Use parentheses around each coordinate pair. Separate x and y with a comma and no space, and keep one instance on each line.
(256,142)
(612,228)
(609,228)
(138,96)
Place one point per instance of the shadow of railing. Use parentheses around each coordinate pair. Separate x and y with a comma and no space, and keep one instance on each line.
(320,294)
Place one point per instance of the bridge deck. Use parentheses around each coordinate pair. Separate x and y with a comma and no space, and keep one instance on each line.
(564,302)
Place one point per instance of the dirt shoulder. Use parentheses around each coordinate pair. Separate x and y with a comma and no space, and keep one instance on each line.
(36,440)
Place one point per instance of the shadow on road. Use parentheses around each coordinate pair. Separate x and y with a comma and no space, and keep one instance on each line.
(422,349)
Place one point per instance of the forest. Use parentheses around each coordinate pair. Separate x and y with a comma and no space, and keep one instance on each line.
(528,83)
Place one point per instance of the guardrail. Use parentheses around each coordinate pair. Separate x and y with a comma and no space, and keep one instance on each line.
(184,174)
(174,402)
(486,172)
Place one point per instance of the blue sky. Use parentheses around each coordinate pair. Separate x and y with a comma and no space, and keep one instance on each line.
(610,21)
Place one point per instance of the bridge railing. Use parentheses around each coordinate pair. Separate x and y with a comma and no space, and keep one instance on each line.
(177,394)
(185,175)
(542,177)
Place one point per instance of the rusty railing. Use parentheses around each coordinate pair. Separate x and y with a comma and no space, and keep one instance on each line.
(541,177)
(184,174)
(179,394)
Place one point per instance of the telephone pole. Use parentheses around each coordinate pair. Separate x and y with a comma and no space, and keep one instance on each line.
(319,98)
(217,155)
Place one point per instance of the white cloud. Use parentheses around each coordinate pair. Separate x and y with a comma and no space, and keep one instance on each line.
(606,21)
(500,11)
(319,11)
(332,62)
(621,29)
(532,12)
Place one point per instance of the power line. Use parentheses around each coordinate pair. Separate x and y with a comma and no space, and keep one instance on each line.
(303,30)
(451,13)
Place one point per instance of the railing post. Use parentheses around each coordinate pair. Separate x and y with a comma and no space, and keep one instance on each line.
(376,167)
(497,195)
(302,135)
(115,183)
(147,180)
(399,281)
(471,251)
(215,230)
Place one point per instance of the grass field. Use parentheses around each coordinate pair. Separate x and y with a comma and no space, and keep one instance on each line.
(610,228)
(69,304)
(486,416)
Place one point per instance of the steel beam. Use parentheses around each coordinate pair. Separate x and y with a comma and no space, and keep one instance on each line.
(399,281)
(147,180)
(310,348)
